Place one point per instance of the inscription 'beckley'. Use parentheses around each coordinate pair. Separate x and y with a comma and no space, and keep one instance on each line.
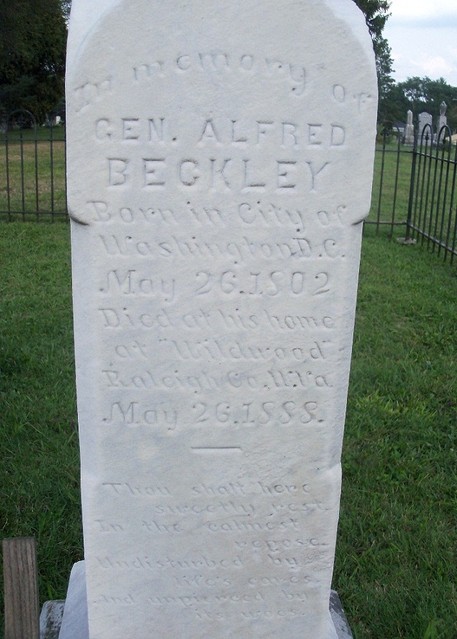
(219,159)
(210,174)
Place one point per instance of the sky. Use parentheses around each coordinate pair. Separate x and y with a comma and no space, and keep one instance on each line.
(422,35)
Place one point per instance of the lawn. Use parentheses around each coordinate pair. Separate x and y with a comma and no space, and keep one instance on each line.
(396,568)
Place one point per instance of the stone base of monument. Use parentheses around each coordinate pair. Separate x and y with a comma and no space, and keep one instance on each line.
(68,619)
(51,619)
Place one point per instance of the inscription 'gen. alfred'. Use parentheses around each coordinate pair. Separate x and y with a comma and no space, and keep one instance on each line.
(238,133)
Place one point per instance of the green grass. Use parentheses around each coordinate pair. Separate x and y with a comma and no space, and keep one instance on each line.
(43,133)
(39,473)
(396,569)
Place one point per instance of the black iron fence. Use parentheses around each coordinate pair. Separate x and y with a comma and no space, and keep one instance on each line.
(414,189)
(391,184)
(432,212)
(32,169)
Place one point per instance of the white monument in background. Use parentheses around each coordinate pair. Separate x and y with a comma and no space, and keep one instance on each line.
(409,131)
(425,132)
(219,168)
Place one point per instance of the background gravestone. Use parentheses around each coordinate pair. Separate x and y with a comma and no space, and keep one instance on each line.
(425,120)
(409,131)
(219,160)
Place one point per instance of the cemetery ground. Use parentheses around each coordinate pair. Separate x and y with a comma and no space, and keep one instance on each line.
(395,564)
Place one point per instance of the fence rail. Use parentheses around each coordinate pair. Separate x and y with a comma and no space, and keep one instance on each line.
(432,215)
(414,187)
(415,190)
(32,173)
(391,184)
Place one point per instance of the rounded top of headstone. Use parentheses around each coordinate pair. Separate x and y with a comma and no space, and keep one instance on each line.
(298,78)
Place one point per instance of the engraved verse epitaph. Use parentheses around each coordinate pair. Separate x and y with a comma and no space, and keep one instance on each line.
(219,159)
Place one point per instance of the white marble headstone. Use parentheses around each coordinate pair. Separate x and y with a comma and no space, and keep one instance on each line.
(425,131)
(219,165)
(409,130)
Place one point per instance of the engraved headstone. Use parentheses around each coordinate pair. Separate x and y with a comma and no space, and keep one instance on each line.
(425,131)
(409,131)
(219,160)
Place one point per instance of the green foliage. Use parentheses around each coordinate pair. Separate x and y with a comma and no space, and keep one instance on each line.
(395,106)
(32,55)
(421,94)
(376,15)
(424,94)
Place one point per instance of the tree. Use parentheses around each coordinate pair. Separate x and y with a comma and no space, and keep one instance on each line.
(32,55)
(376,15)
(394,106)
(424,94)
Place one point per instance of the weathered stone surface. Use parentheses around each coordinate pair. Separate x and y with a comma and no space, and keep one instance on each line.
(338,617)
(74,619)
(409,131)
(425,127)
(219,159)
(76,606)
(51,619)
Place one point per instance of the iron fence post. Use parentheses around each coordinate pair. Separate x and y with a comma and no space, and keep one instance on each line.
(412,183)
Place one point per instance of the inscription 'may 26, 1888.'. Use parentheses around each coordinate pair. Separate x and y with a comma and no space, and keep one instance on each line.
(215,256)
